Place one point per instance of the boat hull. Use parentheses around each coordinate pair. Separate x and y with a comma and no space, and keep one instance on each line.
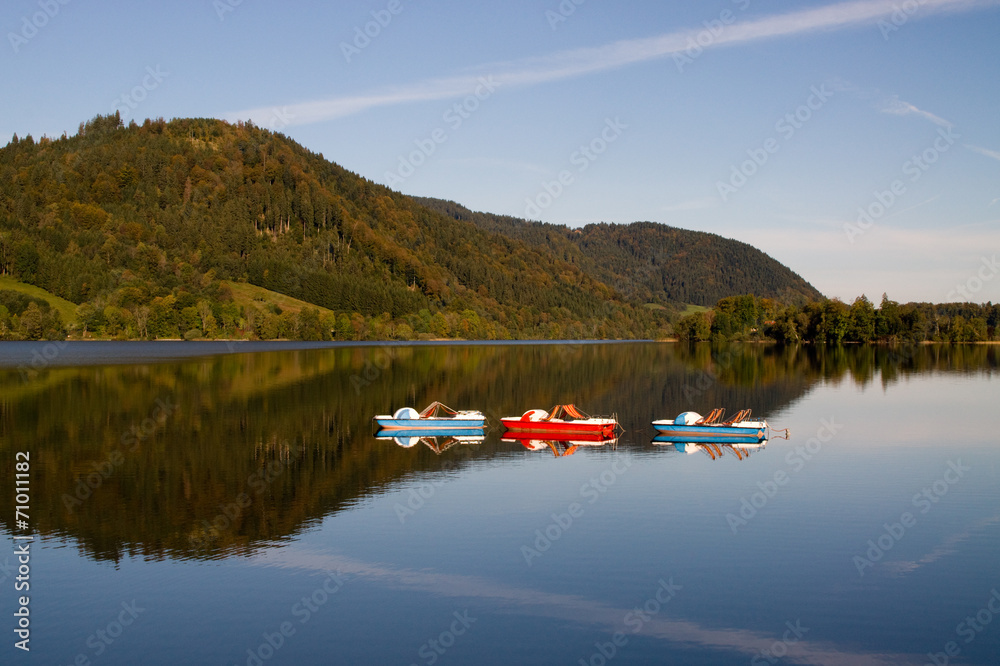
(751,438)
(390,423)
(561,429)
(458,433)
(710,433)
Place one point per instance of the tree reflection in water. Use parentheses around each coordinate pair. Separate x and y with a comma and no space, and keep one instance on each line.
(258,446)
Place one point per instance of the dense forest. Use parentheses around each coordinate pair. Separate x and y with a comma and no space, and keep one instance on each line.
(150,230)
(145,227)
(652,263)
(834,322)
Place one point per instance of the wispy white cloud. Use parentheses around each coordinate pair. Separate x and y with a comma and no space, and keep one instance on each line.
(527,601)
(949,546)
(916,205)
(580,62)
(898,107)
(984,151)
(888,104)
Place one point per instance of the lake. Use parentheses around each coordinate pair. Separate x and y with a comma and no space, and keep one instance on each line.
(214,503)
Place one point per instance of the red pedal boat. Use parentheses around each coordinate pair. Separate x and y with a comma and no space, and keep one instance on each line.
(562,420)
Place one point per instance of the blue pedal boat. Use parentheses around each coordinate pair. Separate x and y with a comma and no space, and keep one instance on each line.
(693,427)
(435,416)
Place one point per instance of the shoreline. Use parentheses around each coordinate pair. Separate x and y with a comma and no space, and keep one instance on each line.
(31,356)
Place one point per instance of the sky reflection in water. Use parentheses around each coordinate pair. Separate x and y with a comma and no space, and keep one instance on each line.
(551,555)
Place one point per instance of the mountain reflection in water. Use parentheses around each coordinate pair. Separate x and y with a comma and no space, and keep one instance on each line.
(200,458)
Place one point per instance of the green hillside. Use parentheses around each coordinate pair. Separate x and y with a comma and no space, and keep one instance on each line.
(65,309)
(650,262)
(246,295)
(149,227)
(198,227)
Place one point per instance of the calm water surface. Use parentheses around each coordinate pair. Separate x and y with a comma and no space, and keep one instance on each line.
(235,509)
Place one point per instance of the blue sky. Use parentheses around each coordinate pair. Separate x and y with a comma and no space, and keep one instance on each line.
(857,142)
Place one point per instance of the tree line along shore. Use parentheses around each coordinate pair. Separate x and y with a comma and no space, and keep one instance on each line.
(737,318)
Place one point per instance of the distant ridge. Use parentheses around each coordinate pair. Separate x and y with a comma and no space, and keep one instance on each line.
(652,262)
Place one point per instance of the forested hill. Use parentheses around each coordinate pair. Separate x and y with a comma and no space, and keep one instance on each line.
(149,228)
(650,262)
(188,227)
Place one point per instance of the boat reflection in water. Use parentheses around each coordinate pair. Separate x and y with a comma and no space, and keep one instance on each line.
(739,448)
(438,441)
(560,446)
